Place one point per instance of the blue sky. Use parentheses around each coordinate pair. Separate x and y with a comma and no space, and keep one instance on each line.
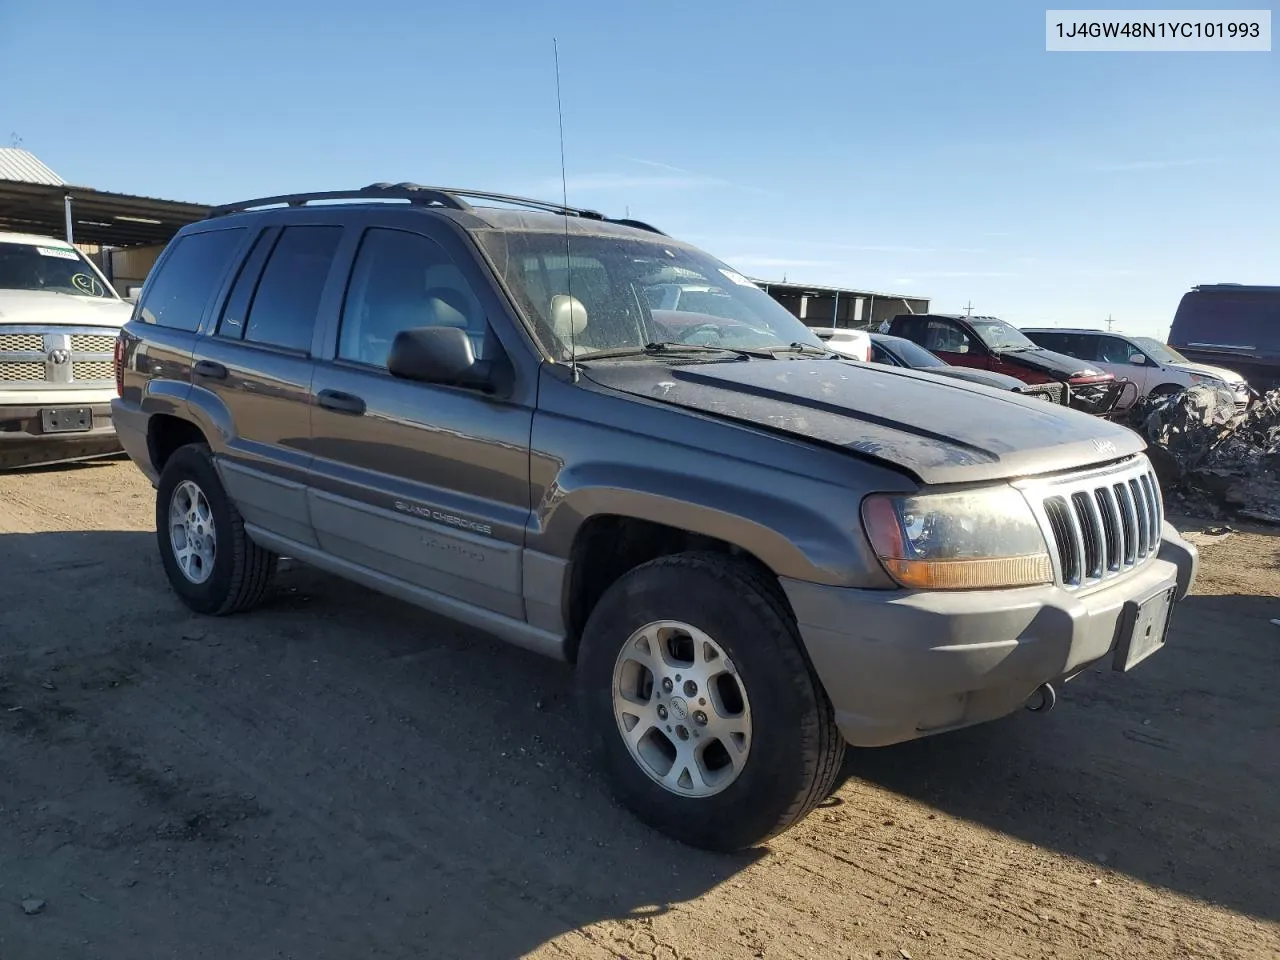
(920,147)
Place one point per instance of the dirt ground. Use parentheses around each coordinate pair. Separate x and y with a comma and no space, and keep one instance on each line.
(338,775)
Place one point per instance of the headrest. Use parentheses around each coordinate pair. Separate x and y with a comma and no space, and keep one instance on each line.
(568,316)
(448,308)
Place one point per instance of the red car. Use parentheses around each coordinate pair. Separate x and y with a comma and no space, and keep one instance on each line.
(989,343)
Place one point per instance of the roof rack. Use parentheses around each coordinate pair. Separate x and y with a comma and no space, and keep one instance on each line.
(418,195)
(1236,287)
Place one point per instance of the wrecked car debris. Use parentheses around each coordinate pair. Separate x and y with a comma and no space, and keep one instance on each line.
(1211,454)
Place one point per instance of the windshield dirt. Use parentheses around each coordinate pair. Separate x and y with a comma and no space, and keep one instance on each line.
(53,266)
(999,335)
(627,293)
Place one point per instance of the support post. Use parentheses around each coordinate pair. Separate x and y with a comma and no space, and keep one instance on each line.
(66,204)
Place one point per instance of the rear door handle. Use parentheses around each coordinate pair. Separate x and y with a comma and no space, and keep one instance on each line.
(340,402)
(207,368)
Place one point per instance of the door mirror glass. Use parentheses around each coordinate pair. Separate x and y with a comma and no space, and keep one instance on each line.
(1137,359)
(438,355)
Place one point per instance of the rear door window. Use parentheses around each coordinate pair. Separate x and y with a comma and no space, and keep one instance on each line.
(181,289)
(283,311)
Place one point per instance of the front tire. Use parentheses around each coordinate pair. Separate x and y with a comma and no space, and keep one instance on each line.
(210,561)
(709,720)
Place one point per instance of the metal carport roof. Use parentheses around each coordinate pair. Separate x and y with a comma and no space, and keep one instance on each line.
(108,219)
(33,199)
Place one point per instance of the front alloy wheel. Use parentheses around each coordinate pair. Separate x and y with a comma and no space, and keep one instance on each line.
(681,708)
(707,717)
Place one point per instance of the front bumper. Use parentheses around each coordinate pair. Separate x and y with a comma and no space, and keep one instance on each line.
(899,665)
(23,442)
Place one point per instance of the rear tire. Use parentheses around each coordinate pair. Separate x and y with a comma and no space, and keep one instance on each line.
(211,563)
(761,732)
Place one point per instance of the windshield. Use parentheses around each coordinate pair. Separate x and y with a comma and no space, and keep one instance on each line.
(916,356)
(50,266)
(1157,351)
(629,292)
(998,335)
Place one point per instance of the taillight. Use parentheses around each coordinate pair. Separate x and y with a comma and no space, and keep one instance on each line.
(120,365)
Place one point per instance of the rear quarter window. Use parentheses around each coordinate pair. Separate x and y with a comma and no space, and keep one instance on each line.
(188,277)
(1243,320)
(1082,346)
(1050,341)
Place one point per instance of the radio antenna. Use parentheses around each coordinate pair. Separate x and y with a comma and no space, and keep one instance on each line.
(564,196)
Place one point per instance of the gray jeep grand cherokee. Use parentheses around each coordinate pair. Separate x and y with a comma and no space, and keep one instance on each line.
(753,549)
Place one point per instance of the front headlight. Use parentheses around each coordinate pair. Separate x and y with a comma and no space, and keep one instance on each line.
(958,541)
(1204,378)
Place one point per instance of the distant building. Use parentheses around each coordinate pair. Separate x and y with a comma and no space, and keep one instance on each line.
(820,306)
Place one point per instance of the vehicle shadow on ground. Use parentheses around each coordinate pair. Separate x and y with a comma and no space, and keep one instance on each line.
(1167,774)
(335,774)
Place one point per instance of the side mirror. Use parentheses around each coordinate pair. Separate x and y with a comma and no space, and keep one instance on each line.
(438,355)
(1137,359)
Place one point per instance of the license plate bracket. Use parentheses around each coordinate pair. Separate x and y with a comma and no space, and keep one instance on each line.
(1144,627)
(66,419)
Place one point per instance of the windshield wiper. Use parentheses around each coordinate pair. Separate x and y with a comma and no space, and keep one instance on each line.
(673,347)
(808,349)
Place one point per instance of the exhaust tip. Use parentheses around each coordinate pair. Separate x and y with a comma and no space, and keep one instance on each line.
(1044,699)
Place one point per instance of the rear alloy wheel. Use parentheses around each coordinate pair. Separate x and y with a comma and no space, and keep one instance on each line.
(193,538)
(708,718)
(209,559)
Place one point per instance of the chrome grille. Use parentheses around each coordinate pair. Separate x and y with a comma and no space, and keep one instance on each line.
(36,358)
(90,343)
(1102,524)
(22,342)
(24,371)
(93,370)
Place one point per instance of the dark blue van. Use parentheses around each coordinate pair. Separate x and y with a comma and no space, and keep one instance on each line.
(1232,325)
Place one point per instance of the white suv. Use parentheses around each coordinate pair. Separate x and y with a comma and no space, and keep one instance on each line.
(59,320)
(1155,368)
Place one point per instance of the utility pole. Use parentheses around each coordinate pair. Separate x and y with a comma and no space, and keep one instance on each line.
(968,309)
(1108,322)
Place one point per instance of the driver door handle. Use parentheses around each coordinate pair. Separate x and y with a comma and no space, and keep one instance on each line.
(210,369)
(340,402)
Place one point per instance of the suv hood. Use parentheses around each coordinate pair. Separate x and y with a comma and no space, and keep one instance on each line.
(939,430)
(47,308)
(1053,363)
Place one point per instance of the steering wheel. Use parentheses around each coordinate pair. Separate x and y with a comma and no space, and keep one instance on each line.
(88,284)
(713,329)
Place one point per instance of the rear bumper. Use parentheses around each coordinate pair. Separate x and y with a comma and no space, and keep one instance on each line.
(899,665)
(131,428)
(23,442)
